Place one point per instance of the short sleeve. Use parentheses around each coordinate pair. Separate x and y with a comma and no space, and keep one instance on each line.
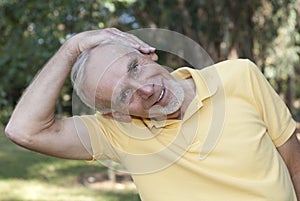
(273,111)
(101,146)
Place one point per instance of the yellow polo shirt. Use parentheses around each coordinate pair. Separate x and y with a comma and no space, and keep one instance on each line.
(224,148)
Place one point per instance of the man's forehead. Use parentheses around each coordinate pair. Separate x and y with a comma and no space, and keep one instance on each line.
(103,57)
(102,74)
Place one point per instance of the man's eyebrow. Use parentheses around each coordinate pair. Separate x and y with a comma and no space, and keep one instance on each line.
(131,63)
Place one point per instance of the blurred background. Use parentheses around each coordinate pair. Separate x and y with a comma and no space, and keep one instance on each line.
(265,31)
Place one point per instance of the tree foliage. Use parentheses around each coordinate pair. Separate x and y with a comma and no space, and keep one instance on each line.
(263,30)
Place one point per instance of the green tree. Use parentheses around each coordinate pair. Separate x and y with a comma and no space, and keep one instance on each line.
(31,31)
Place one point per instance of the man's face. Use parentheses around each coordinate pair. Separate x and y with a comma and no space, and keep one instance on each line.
(129,82)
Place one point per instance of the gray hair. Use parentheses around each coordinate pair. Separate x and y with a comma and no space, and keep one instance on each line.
(78,75)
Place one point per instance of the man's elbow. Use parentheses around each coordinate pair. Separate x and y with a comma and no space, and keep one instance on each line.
(16,135)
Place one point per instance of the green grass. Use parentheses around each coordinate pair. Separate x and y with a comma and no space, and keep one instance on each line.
(29,176)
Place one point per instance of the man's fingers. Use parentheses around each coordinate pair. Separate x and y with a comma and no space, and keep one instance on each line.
(132,40)
(89,39)
(153,56)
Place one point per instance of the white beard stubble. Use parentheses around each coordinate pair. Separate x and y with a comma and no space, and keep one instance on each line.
(174,103)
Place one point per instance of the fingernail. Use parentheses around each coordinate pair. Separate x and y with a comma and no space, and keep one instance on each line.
(152,49)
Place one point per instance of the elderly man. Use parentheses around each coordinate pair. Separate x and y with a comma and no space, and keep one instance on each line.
(158,124)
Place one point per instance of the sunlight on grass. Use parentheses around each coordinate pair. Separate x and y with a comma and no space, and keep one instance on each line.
(36,190)
(29,176)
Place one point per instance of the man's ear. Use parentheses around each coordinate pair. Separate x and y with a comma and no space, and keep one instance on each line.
(118,116)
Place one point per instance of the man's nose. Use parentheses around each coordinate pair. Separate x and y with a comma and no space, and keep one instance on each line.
(145,91)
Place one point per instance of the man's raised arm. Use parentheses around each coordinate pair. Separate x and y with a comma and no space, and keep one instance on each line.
(33,124)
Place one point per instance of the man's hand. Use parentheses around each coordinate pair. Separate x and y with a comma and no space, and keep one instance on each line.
(33,123)
(89,39)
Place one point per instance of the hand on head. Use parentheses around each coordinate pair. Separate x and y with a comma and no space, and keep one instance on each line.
(89,39)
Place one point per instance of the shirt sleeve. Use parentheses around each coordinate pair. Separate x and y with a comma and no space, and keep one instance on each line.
(101,145)
(273,111)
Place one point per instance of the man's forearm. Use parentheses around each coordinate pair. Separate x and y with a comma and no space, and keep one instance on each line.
(294,163)
(35,110)
(295,169)
(290,152)
(296,182)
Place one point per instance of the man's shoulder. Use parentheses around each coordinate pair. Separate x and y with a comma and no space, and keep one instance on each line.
(234,62)
(234,65)
(226,66)
(230,73)
(235,68)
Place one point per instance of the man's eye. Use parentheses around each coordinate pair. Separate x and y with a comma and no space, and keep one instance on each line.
(125,95)
(135,68)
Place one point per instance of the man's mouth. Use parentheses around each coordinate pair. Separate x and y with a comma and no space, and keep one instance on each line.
(161,95)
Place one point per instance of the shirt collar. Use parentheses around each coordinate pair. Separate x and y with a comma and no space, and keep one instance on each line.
(205,80)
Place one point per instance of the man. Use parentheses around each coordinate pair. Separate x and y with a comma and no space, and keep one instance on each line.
(157,124)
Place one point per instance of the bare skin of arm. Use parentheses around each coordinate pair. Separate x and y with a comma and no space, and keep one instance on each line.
(33,124)
(290,152)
